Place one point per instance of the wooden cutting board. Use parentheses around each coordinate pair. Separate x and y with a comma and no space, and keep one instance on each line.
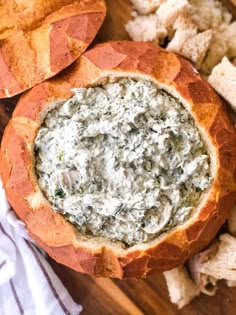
(128,297)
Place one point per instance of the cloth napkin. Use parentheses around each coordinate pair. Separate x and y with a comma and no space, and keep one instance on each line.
(28,285)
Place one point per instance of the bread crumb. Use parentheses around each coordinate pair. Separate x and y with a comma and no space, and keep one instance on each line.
(223,79)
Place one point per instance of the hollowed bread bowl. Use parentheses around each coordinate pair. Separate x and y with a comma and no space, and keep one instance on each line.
(100,256)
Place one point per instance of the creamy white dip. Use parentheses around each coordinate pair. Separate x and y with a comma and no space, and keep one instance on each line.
(123,161)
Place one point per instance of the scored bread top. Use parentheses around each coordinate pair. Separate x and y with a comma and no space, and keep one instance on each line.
(40,38)
(98,256)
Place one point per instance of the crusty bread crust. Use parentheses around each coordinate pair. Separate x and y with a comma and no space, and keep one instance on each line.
(40,38)
(101,257)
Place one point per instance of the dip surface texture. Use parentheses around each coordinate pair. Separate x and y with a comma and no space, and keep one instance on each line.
(123,161)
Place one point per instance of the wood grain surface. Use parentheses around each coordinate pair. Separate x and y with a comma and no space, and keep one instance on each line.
(128,297)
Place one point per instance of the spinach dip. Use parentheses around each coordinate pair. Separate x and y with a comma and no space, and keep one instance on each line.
(123,161)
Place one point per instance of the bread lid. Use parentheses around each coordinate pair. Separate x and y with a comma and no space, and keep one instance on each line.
(99,256)
(41,38)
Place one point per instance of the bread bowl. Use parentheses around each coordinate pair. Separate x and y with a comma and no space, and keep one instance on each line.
(111,69)
(40,38)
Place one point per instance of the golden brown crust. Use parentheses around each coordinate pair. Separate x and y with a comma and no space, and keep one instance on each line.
(40,38)
(50,229)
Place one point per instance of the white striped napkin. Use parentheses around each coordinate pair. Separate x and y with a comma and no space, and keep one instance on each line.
(28,285)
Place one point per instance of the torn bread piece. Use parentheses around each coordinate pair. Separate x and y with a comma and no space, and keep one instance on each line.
(195,48)
(210,14)
(146,6)
(170,10)
(182,290)
(231,283)
(217,50)
(230,36)
(205,282)
(183,287)
(148,29)
(188,42)
(184,29)
(223,79)
(199,30)
(217,262)
(222,44)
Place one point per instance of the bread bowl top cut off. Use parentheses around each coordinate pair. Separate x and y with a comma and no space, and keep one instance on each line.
(124,165)
(39,38)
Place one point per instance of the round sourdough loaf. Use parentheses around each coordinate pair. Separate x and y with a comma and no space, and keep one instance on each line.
(98,256)
(40,38)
